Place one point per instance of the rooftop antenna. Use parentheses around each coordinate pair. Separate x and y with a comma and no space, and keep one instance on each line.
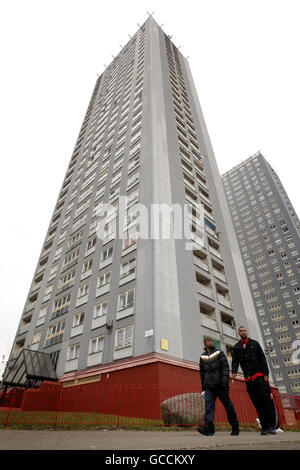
(105,65)
(187,57)
(150,14)
(178,47)
(139,25)
(162,25)
(121,46)
(113,57)
(129,36)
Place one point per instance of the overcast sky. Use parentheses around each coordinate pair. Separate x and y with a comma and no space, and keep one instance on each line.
(244,57)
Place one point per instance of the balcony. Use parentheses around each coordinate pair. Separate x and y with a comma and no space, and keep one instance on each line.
(36,287)
(133,166)
(30,307)
(209,322)
(102,289)
(202,184)
(121,352)
(69,265)
(126,311)
(219,275)
(76,330)
(94,359)
(188,171)
(201,264)
(215,252)
(193,201)
(201,289)
(81,300)
(99,321)
(23,329)
(209,215)
(210,231)
(127,277)
(64,287)
(222,300)
(229,330)
(59,312)
(190,185)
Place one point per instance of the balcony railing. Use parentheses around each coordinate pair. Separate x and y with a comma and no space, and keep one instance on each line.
(200,263)
(204,291)
(209,322)
(219,275)
(222,300)
(229,330)
(215,252)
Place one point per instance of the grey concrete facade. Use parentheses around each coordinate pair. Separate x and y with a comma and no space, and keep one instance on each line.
(268,231)
(143,136)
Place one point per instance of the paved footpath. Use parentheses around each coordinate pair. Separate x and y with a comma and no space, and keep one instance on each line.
(144,440)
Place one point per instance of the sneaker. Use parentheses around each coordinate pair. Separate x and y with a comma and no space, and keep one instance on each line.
(272,430)
(205,430)
(264,432)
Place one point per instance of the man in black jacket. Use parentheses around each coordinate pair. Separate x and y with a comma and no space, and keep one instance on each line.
(249,355)
(214,373)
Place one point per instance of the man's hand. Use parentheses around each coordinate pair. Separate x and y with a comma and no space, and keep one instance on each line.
(271,396)
(233,377)
(266,377)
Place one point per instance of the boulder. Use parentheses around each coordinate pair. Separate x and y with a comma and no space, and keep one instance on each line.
(183,410)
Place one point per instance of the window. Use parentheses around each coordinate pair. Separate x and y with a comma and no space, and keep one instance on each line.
(124,337)
(91,243)
(75,239)
(71,258)
(100,309)
(73,352)
(127,268)
(78,319)
(130,239)
(107,253)
(104,279)
(96,345)
(55,333)
(83,290)
(62,302)
(66,280)
(87,266)
(126,300)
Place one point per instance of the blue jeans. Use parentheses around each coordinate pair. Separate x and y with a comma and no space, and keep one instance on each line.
(210,400)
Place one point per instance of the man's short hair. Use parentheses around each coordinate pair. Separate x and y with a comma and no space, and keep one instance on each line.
(207,338)
(242,326)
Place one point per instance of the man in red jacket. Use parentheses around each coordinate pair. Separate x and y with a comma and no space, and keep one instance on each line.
(249,355)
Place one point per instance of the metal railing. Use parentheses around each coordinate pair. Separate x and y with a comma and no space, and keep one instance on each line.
(116,405)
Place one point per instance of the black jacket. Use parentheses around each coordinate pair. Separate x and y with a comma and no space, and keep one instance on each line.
(251,359)
(214,369)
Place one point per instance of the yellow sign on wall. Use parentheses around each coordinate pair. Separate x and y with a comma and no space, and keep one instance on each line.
(164,344)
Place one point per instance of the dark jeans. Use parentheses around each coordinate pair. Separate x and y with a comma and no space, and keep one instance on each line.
(210,399)
(259,394)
